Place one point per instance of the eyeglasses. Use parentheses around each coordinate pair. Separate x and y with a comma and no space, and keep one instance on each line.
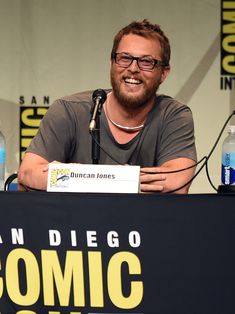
(146,63)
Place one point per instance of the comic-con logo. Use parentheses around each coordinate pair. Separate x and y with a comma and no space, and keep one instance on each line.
(227,45)
(60,177)
(31,113)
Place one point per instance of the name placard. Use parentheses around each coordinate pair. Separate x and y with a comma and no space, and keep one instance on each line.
(93,178)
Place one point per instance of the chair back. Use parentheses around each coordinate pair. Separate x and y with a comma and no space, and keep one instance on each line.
(9,184)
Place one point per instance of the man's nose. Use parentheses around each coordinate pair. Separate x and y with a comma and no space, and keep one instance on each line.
(134,66)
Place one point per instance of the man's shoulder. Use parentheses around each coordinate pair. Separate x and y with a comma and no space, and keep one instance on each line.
(166,103)
(85,96)
(168,100)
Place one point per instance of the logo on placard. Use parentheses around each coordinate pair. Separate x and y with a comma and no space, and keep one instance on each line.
(60,177)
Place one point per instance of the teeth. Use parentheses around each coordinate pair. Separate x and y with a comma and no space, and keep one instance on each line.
(132,81)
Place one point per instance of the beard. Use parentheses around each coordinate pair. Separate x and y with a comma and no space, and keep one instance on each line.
(132,102)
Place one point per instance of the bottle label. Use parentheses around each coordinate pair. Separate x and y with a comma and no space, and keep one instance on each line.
(2,155)
(228,168)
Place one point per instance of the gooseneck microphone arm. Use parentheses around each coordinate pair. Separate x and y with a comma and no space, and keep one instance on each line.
(98,98)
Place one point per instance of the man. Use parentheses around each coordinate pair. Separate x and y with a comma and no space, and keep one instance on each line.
(137,126)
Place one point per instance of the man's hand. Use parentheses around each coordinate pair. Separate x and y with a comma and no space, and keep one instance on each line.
(33,173)
(164,179)
(152,180)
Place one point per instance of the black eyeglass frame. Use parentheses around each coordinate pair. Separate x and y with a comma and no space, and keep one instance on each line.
(132,58)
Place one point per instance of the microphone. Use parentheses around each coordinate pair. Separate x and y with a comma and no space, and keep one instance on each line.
(98,97)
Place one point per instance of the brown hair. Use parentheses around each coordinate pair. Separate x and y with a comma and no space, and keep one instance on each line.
(147,30)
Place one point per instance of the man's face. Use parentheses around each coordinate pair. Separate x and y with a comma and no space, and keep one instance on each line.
(133,87)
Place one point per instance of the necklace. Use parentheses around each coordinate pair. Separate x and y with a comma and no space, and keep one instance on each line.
(123,127)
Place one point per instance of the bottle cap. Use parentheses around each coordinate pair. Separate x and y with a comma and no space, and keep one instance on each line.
(231,129)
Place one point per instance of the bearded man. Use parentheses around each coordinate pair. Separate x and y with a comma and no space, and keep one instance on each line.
(138,126)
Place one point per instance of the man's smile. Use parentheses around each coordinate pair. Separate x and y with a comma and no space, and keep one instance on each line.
(132,81)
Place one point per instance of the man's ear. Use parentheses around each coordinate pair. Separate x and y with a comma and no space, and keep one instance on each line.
(165,72)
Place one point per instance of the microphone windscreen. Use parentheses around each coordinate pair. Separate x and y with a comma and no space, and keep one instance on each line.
(99,93)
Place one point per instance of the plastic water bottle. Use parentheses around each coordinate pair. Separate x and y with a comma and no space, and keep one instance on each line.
(228,158)
(2,160)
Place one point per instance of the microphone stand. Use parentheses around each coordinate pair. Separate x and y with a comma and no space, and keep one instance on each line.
(95,137)
(95,132)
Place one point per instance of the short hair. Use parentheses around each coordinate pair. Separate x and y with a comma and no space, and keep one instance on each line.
(147,30)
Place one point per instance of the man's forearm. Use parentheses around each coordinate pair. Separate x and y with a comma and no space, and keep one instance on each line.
(32,179)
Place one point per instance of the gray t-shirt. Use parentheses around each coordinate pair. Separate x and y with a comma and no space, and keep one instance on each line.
(64,134)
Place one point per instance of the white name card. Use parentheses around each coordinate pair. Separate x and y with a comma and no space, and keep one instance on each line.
(93,178)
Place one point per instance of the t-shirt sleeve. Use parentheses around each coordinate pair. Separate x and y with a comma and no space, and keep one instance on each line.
(55,134)
(177,139)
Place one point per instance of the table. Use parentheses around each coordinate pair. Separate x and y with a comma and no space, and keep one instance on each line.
(116,253)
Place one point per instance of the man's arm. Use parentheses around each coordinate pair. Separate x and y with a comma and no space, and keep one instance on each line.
(33,172)
(162,182)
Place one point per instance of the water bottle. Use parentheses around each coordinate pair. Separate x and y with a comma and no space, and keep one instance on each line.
(2,160)
(228,158)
